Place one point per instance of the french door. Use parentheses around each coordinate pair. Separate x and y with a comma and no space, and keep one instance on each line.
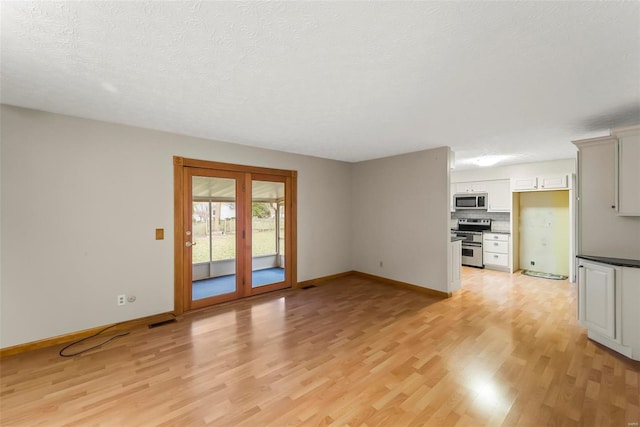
(234,232)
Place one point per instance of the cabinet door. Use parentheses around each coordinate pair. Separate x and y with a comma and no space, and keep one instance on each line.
(462,187)
(600,228)
(471,187)
(499,193)
(456,265)
(629,175)
(496,247)
(524,184)
(552,182)
(478,187)
(596,298)
(452,191)
(487,238)
(491,258)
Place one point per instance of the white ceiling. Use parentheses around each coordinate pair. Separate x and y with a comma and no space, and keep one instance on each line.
(341,80)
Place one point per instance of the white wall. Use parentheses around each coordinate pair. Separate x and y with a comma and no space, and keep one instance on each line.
(544,231)
(553,167)
(80,200)
(401,217)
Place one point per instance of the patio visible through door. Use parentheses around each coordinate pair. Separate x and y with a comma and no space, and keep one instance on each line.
(234,232)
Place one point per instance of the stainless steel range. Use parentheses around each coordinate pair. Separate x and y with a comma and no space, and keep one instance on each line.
(470,231)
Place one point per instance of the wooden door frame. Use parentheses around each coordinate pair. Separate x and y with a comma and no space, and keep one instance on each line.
(179,165)
(286,181)
(240,242)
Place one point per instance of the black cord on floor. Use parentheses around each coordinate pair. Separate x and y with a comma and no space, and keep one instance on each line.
(61,352)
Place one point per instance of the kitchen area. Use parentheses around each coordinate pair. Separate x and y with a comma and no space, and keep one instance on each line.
(573,219)
(484,233)
(515,218)
(608,257)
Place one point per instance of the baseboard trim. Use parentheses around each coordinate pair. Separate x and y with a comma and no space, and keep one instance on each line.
(324,279)
(404,285)
(129,324)
(61,339)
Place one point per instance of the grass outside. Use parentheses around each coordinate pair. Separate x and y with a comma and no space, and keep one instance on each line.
(224,245)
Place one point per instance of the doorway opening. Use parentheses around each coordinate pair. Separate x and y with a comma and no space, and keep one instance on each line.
(234,232)
(542,233)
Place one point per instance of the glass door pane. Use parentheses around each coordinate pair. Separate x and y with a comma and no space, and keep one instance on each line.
(201,228)
(214,237)
(267,239)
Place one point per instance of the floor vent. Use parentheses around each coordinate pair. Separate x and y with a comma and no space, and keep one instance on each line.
(309,287)
(164,322)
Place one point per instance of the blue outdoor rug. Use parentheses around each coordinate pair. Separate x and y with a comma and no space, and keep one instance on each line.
(225,284)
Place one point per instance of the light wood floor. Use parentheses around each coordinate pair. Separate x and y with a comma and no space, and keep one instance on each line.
(506,350)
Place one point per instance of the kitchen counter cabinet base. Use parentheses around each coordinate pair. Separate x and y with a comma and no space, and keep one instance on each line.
(608,301)
(495,251)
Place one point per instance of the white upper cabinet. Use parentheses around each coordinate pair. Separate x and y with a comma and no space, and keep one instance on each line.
(629,172)
(525,184)
(538,183)
(600,229)
(499,194)
(610,168)
(552,182)
(471,187)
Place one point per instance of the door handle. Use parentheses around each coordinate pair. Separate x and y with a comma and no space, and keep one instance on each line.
(189,244)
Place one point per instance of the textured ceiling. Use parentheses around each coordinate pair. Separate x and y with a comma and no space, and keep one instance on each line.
(341,80)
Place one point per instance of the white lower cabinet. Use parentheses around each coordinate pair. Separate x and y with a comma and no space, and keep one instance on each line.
(608,301)
(495,251)
(452,192)
(455,279)
(597,298)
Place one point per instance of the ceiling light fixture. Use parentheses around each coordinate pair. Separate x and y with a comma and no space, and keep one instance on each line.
(489,160)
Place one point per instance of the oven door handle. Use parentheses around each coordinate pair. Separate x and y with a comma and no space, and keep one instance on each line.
(473,244)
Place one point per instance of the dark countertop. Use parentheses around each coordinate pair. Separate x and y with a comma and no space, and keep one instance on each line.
(453,230)
(635,263)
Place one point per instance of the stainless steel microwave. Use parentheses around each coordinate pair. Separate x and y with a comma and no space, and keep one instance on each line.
(470,201)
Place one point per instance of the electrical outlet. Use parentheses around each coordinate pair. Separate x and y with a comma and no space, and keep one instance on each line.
(131,298)
(533,263)
(380,264)
(122,299)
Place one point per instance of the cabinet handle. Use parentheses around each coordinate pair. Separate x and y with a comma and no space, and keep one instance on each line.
(613,206)
(581,266)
